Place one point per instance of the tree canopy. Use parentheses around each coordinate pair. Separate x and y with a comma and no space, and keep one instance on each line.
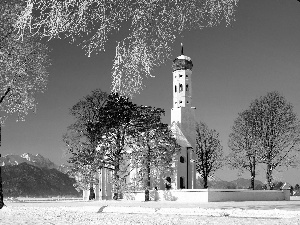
(82,138)
(154,149)
(112,132)
(209,152)
(266,133)
(150,28)
(23,65)
(22,68)
(243,145)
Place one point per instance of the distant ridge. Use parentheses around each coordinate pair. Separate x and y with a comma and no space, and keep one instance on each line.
(32,181)
(36,160)
(240,183)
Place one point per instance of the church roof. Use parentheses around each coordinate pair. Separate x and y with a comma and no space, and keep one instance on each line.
(184,57)
(182,62)
(180,138)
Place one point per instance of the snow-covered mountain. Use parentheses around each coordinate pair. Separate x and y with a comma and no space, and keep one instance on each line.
(35,160)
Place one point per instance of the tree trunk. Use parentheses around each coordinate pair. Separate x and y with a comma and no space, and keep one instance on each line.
(269,177)
(252,180)
(205,182)
(253,174)
(147,190)
(1,191)
(116,189)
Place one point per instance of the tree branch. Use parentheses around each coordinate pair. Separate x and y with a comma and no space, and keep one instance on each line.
(5,94)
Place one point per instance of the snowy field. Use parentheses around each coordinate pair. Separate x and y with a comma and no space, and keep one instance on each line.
(19,211)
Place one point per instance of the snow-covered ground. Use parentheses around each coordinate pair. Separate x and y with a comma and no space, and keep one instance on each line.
(128,212)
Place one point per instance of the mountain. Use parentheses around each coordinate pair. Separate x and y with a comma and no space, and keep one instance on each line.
(239,183)
(35,160)
(63,168)
(25,179)
(242,183)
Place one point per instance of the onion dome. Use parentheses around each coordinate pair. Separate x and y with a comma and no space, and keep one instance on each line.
(182,62)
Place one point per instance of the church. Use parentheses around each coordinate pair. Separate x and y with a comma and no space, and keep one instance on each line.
(182,126)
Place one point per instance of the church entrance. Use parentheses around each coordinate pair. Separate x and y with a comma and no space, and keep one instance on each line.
(181,183)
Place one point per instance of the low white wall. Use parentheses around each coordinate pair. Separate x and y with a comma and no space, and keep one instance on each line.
(211,195)
(247,195)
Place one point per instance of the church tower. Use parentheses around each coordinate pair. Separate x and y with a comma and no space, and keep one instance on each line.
(182,81)
(183,121)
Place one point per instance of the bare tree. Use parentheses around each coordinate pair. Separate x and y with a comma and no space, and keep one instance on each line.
(22,68)
(242,142)
(209,154)
(154,149)
(277,132)
(153,27)
(82,138)
(22,65)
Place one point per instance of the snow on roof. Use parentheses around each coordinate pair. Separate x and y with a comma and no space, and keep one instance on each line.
(184,57)
(180,138)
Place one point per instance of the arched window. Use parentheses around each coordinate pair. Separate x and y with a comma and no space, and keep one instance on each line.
(181,159)
(180,75)
(187,87)
(180,101)
(180,88)
(186,76)
(175,88)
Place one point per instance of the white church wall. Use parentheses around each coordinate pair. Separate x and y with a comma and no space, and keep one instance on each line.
(213,195)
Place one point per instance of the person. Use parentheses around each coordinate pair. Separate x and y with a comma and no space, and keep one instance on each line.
(168,183)
(92,194)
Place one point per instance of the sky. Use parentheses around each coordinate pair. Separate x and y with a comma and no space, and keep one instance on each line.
(258,53)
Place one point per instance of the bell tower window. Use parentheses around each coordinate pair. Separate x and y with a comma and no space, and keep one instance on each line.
(180,88)
(187,87)
(175,88)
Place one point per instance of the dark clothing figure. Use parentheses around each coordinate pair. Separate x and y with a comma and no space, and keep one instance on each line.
(168,183)
(92,194)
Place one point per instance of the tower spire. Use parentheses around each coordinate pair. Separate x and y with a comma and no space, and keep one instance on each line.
(181,49)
